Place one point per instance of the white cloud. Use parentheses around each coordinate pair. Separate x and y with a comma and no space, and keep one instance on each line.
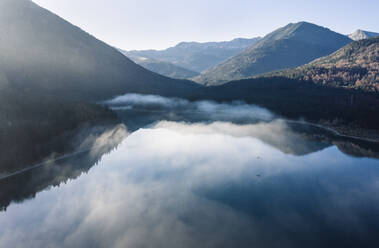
(207,110)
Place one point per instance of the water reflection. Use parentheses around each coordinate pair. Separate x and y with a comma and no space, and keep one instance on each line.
(191,175)
(293,137)
(90,145)
(206,185)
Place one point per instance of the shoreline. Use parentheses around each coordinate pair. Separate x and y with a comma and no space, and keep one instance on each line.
(40,164)
(337,131)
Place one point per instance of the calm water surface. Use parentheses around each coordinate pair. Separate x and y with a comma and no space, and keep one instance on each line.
(197,176)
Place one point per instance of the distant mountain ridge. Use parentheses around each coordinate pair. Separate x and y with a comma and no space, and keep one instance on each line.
(290,46)
(362,34)
(340,90)
(196,56)
(235,43)
(164,68)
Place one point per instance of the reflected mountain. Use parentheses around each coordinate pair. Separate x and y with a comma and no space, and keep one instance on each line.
(292,137)
(203,184)
(238,120)
(90,145)
(351,146)
(357,148)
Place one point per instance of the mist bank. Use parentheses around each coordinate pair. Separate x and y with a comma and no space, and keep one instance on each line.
(206,110)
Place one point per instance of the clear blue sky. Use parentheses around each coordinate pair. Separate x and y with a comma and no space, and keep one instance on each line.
(157,24)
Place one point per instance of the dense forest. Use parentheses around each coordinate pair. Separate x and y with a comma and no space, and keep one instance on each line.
(297,99)
(31,122)
(355,66)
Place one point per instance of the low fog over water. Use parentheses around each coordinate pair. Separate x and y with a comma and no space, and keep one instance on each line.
(235,111)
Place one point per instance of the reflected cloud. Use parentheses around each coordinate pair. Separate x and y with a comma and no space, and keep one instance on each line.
(196,174)
(276,133)
(204,185)
(292,137)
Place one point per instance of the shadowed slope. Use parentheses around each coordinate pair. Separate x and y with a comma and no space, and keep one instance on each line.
(41,52)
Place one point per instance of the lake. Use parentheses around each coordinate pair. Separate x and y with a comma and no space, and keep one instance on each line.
(198,174)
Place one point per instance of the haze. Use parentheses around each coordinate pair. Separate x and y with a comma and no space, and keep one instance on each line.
(150,24)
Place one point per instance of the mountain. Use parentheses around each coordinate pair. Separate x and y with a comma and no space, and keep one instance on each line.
(164,68)
(340,90)
(361,35)
(196,56)
(290,46)
(52,72)
(41,52)
(355,66)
